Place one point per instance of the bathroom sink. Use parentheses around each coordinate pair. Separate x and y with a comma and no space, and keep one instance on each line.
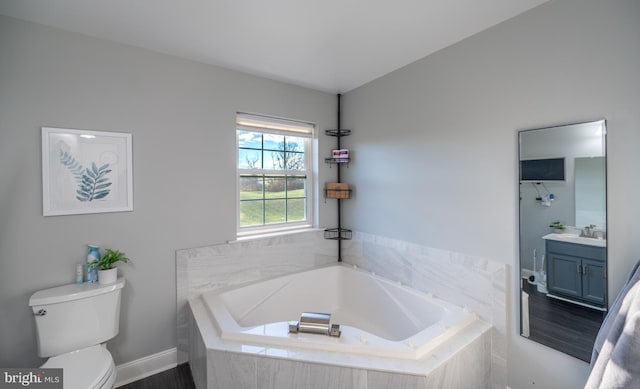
(568,236)
(574,238)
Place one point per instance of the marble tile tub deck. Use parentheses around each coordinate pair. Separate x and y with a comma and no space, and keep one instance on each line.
(464,362)
(469,281)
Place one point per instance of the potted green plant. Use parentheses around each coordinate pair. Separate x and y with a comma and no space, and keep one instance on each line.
(557,226)
(107,271)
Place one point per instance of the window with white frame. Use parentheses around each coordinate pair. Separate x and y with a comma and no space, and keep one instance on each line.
(274,173)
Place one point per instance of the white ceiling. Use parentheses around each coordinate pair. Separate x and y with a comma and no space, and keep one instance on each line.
(329,45)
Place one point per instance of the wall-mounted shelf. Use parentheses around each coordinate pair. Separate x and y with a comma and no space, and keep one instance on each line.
(340,132)
(332,161)
(338,190)
(338,194)
(337,233)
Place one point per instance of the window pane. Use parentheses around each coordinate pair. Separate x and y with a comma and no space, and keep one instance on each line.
(273,142)
(281,160)
(274,211)
(249,159)
(250,187)
(279,196)
(295,210)
(274,187)
(294,143)
(295,187)
(251,213)
(294,147)
(294,161)
(273,160)
(249,139)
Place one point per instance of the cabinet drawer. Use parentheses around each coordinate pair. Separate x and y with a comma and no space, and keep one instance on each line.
(577,250)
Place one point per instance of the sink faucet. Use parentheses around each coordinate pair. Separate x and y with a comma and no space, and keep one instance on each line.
(589,232)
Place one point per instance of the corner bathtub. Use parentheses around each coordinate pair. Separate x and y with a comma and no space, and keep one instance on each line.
(377,317)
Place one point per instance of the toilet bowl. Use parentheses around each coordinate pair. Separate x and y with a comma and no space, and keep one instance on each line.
(73,322)
(91,367)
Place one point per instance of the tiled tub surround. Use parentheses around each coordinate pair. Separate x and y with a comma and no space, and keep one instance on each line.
(462,362)
(465,280)
(477,355)
(211,267)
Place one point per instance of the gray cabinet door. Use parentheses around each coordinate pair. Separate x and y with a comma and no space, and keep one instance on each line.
(593,281)
(577,272)
(563,275)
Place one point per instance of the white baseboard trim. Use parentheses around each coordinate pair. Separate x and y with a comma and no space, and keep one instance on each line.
(146,366)
(183,357)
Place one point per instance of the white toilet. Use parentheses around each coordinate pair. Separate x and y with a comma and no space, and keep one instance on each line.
(73,322)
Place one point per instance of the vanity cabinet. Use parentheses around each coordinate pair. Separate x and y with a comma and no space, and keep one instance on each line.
(577,272)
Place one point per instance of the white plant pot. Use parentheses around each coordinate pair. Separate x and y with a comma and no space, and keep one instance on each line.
(108,276)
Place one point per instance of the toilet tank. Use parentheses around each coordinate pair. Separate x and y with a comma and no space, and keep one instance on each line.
(75,316)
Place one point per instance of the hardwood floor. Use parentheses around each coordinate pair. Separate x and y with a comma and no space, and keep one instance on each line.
(176,378)
(561,325)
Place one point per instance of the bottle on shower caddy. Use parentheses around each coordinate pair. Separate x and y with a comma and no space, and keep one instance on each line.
(79,274)
(92,270)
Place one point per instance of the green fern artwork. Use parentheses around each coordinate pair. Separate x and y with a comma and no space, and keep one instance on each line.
(93,183)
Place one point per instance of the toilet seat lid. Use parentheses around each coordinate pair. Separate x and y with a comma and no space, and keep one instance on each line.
(85,368)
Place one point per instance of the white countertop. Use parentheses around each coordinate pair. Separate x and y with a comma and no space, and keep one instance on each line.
(576,239)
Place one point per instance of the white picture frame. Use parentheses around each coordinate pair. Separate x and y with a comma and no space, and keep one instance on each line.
(86,172)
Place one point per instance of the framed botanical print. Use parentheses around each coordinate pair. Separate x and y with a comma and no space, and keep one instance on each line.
(86,171)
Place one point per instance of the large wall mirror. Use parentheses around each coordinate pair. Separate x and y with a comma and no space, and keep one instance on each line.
(563,235)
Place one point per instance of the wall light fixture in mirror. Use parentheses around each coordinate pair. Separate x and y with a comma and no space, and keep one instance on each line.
(563,235)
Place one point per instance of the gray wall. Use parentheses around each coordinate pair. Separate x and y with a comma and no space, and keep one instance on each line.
(434,147)
(182,117)
(435,144)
